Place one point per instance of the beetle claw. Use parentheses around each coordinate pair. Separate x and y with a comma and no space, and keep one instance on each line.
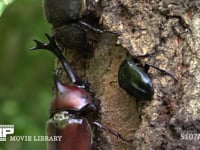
(51,39)
(39,45)
(51,45)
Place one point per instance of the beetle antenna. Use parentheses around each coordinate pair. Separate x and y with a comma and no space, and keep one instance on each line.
(52,47)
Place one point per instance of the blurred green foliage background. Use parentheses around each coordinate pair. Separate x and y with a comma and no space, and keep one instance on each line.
(25,76)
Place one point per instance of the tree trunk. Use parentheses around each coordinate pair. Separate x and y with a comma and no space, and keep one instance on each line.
(170,27)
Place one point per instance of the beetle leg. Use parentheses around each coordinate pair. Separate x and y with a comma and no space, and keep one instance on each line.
(52,47)
(90,27)
(94,29)
(162,71)
(146,68)
(112,132)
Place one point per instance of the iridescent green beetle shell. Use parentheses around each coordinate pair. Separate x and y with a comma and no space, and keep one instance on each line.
(135,80)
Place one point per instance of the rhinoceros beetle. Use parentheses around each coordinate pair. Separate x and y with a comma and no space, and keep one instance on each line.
(133,77)
(69,18)
(74,108)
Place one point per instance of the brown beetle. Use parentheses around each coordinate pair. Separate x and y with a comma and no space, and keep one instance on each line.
(74,109)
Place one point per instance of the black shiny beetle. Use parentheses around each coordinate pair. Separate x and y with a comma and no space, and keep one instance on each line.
(74,109)
(63,11)
(69,18)
(133,77)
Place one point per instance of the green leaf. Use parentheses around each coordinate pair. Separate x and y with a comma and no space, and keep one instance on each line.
(4,4)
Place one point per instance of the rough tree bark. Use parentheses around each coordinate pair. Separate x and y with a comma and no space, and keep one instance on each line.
(145,26)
